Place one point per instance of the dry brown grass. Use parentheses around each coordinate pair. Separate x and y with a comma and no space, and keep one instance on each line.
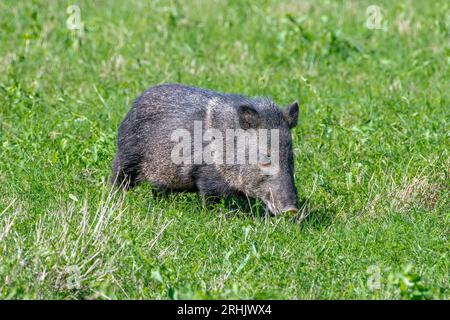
(422,191)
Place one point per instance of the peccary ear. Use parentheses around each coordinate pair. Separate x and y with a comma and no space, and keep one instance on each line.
(290,114)
(248,117)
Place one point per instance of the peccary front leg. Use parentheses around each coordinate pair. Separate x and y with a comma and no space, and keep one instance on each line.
(210,185)
(209,200)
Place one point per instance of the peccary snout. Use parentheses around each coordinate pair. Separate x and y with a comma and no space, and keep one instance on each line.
(282,196)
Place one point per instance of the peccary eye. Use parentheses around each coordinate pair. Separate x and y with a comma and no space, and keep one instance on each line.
(264,160)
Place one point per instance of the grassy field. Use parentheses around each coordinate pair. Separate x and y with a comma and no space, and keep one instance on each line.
(372,150)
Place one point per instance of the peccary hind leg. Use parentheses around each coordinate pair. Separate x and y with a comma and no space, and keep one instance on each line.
(124,175)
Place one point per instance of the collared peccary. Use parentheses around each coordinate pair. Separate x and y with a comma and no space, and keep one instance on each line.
(146,145)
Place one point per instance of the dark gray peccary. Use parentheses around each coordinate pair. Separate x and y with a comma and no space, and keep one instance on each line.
(145,145)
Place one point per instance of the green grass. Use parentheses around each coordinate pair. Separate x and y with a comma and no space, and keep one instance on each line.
(372,150)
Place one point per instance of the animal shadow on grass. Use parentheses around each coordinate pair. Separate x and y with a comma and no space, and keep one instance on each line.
(236,206)
(316,218)
(241,207)
(230,206)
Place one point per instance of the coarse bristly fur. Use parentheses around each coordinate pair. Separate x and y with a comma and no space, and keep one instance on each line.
(145,145)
